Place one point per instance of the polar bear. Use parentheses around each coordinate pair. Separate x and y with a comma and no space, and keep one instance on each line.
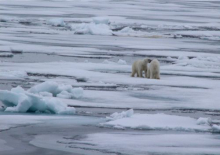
(153,71)
(139,66)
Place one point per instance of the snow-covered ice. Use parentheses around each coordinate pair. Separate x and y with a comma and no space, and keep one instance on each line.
(122,62)
(216,128)
(157,122)
(204,121)
(56,22)
(123,114)
(101,20)
(91,28)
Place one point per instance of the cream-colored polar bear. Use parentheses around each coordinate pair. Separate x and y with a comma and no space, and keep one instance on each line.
(139,66)
(153,71)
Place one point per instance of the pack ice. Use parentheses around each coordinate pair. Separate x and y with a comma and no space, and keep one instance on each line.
(40,98)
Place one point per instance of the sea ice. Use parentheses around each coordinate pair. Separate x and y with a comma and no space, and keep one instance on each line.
(122,62)
(46,94)
(123,114)
(62,90)
(49,86)
(39,98)
(64,94)
(101,20)
(204,121)
(108,62)
(216,128)
(91,28)
(56,22)
(155,122)
(77,92)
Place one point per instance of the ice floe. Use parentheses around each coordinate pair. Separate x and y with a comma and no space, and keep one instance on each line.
(122,62)
(56,89)
(159,122)
(204,121)
(39,98)
(56,22)
(91,28)
(101,20)
(123,114)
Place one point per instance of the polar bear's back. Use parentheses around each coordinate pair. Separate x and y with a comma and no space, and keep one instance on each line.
(155,69)
(136,64)
(155,65)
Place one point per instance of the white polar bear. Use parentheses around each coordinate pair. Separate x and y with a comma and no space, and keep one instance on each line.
(139,66)
(153,71)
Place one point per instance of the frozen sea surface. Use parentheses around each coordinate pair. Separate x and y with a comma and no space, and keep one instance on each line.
(91,44)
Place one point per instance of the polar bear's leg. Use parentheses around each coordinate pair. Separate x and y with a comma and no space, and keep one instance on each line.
(133,73)
(154,75)
(140,72)
(154,69)
(151,76)
(145,73)
(134,70)
(157,75)
(148,73)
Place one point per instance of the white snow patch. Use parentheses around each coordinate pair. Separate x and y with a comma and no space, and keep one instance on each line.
(108,62)
(216,128)
(204,121)
(56,22)
(154,122)
(123,114)
(101,20)
(122,62)
(77,92)
(91,28)
(181,57)
(127,31)
(211,62)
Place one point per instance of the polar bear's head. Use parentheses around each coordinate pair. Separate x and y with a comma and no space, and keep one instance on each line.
(146,60)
